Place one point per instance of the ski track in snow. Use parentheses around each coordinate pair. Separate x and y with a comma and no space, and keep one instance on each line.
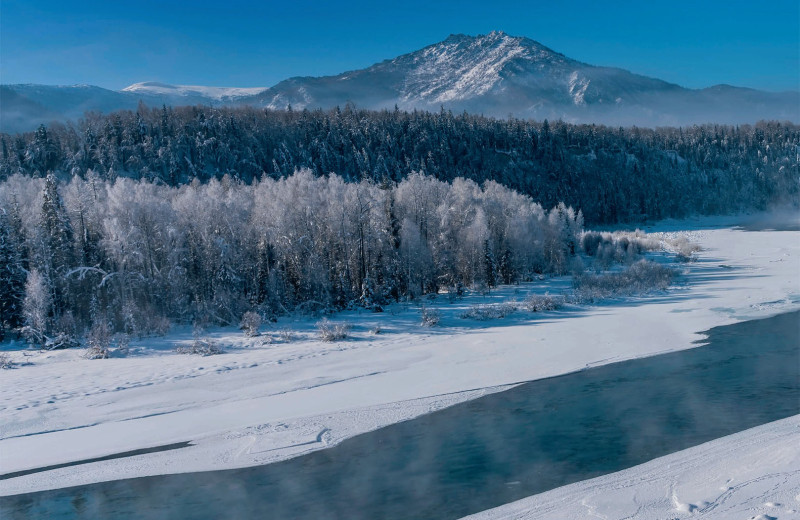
(263,402)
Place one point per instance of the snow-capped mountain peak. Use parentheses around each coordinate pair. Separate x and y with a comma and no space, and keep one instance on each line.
(465,67)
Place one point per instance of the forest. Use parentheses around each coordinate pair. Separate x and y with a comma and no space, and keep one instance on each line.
(612,174)
(137,220)
(135,255)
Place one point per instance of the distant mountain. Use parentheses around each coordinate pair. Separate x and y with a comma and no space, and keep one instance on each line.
(494,74)
(218,94)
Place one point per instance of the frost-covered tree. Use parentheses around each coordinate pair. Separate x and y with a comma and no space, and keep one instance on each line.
(135,255)
(36,308)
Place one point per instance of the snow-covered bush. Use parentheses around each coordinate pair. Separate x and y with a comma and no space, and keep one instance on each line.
(287,335)
(5,361)
(684,249)
(123,343)
(200,346)
(430,317)
(543,302)
(99,341)
(640,278)
(590,241)
(329,331)
(489,312)
(251,321)
(61,341)
(619,246)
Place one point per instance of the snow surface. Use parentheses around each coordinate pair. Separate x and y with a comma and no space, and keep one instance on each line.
(215,93)
(259,403)
(754,474)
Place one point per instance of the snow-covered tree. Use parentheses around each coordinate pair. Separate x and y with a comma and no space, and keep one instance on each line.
(36,308)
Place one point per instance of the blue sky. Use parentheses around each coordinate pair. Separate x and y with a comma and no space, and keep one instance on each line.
(236,43)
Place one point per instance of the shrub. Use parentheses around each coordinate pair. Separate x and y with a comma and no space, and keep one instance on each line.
(251,321)
(61,341)
(200,346)
(489,312)
(619,246)
(590,241)
(684,249)
(123,341)
(287,335)
(543,302)
(430,317)
(5,361)
(640,278)
(329,331)
(99,340)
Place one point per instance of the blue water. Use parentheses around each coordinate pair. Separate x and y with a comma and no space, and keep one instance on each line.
(486,452)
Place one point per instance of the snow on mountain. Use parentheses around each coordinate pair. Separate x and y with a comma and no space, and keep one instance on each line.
(494,74)
(216,93)
(498,74)
(460,68)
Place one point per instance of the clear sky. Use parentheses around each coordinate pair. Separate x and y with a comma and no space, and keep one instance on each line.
(248,44)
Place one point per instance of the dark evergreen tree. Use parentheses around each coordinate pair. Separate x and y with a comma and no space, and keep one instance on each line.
(58,243)
(12,278)
(490,269)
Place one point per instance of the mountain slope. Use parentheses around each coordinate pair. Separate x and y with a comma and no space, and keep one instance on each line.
(498,74)
(494,74)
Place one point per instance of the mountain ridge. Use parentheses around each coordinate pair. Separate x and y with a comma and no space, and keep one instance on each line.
(493,74)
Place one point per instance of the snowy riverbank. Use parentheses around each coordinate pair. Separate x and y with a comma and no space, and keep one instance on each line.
(261,403)
(754,474)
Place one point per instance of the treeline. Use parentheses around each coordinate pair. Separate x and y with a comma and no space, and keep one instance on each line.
(612,174)
(136,255)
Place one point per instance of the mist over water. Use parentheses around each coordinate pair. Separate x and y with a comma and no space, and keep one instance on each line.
(489,451)
(784,218)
